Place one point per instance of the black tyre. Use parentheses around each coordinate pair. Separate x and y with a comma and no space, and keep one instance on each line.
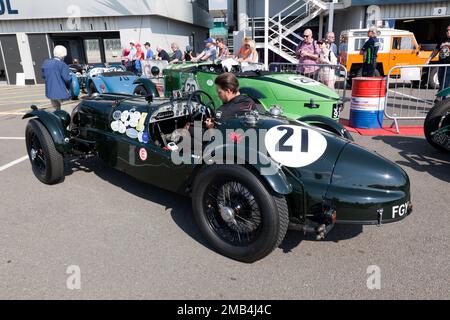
(140,91)
(92,89)
(237,214)
(47,163)
(437,118)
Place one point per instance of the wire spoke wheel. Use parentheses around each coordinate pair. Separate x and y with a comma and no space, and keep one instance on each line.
(237,213)
(233,212)
(37,154)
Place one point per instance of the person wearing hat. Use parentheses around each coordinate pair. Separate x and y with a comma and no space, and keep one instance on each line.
(57,77)
(210,52)
(149,55)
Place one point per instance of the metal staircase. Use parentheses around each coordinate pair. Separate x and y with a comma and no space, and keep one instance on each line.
(283,27)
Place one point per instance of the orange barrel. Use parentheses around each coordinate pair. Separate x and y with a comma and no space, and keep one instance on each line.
(368,99)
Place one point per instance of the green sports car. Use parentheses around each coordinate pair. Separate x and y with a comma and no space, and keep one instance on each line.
(297,95)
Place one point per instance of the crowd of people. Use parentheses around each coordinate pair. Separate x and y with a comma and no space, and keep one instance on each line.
(215,49)
(314,57)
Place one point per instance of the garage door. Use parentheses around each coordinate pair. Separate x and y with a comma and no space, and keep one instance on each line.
(39,52)
(12,57)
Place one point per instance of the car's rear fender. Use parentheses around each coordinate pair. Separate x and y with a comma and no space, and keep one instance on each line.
(54,124)
(327,124)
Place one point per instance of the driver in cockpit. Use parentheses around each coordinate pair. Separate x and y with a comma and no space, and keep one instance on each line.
(234,104)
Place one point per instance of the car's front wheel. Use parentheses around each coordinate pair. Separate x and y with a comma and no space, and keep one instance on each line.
(47,163)
(237,213)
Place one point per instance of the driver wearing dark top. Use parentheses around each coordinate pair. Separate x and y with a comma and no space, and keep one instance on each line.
(234,104)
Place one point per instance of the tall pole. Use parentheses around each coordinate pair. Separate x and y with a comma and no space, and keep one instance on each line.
(331,17)
(266,34)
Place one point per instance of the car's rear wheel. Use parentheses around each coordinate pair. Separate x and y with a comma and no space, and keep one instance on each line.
(47,163)
(140,91)
(438,118)
(237,214)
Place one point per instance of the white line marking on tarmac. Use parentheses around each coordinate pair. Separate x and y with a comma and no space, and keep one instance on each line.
(11,164)
(12,138)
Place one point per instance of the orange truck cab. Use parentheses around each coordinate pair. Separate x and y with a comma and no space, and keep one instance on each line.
(398,48)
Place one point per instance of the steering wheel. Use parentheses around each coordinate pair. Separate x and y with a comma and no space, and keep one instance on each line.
(206,110)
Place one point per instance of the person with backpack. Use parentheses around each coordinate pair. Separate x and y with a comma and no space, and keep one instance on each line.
(308,53)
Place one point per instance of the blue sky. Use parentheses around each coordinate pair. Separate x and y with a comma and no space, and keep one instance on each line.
(217,4)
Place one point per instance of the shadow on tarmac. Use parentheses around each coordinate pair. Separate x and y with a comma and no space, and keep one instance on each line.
(420,156)
(180,206)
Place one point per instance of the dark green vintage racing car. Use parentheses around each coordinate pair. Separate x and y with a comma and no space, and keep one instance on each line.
(260,175)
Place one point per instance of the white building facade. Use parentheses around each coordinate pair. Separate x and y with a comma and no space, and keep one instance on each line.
(93,31)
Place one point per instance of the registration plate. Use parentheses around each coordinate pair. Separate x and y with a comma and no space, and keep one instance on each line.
(336,111)
(442,139)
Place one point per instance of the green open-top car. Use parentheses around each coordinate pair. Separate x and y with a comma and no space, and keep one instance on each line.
(297,95)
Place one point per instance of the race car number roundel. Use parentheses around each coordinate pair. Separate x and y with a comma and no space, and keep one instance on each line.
(294,146)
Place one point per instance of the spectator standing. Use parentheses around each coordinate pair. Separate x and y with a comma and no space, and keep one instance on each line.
(210,52)
(327,75)
(224,52)
(443,49)
(331,39)
(308,54)
(149,55)
(370,52)
(57,77)
(125,54)
(140,55)
(162,54)
(177,54)
(131,58)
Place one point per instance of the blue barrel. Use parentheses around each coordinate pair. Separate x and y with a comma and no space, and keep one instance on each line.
(368,100)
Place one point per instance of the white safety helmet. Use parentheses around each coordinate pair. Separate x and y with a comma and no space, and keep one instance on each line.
(60,52)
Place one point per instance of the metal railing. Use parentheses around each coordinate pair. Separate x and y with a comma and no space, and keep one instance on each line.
(282,36)
(411,91)
(333,76)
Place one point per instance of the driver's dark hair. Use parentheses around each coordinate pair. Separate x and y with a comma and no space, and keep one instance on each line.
(227,81)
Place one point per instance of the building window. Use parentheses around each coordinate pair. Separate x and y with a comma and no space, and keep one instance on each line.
(112,50)
(93,54)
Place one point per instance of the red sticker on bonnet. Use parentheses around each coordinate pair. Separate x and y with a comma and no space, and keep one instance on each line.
(143,154)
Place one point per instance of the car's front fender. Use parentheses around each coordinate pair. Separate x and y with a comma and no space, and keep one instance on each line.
(267,170)
(148,85)
(54,125)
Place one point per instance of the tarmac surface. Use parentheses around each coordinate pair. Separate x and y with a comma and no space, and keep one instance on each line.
(130,240)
